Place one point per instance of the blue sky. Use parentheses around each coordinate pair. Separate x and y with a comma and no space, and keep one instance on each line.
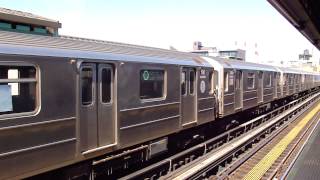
(164,23)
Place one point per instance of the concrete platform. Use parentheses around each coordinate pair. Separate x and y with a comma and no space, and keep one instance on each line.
(307,165)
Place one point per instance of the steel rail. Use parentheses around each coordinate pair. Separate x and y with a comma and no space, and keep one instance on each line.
(285,174)
(295,145)
(260,148)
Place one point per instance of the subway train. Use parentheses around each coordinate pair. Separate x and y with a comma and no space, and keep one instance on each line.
(68,104)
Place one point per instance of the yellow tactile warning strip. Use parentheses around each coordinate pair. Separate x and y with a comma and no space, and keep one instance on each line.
(266,162)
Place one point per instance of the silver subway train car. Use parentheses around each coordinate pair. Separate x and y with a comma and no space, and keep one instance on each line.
(70,103)
(70,99)
(242,85)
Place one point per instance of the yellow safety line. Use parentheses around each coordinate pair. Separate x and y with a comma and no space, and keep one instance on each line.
(262,167)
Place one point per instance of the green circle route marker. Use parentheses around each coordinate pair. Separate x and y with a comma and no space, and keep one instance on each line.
(145,75)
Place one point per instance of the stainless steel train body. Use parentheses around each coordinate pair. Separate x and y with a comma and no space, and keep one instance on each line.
(67,100)
(294,81)
(75,99)
(244,85)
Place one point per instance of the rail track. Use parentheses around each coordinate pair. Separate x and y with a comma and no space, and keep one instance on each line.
(283,168)
(264,150)
(221,156)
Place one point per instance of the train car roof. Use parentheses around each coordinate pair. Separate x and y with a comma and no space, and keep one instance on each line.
(66,46)
(294,71)
(236,64)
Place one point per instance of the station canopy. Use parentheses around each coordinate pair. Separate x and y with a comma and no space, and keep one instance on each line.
(303,15)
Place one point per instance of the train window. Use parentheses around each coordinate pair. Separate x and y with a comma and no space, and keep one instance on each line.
(226,81)
(211,82)
(151,84)
(251,80)
(192,81)
(87,85)
(269,80)
(278,79)
(106,85)
(18,89)
(183,83)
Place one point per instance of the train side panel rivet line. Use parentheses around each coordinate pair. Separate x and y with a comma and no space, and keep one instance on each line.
(266,162)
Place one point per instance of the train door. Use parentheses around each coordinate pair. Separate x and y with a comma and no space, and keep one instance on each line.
(260,87)
(96,109)
(238,90)
(188,96)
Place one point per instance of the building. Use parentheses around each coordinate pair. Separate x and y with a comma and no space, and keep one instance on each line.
(237,54)
(19,21)
(204,51)
(305,61)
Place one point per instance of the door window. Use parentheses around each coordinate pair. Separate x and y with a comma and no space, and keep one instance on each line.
(285,78)
(106,84)
(87,85)
(238,80)
(192,82)
(183,83)
(226,81)
(211,82)
(291,79)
